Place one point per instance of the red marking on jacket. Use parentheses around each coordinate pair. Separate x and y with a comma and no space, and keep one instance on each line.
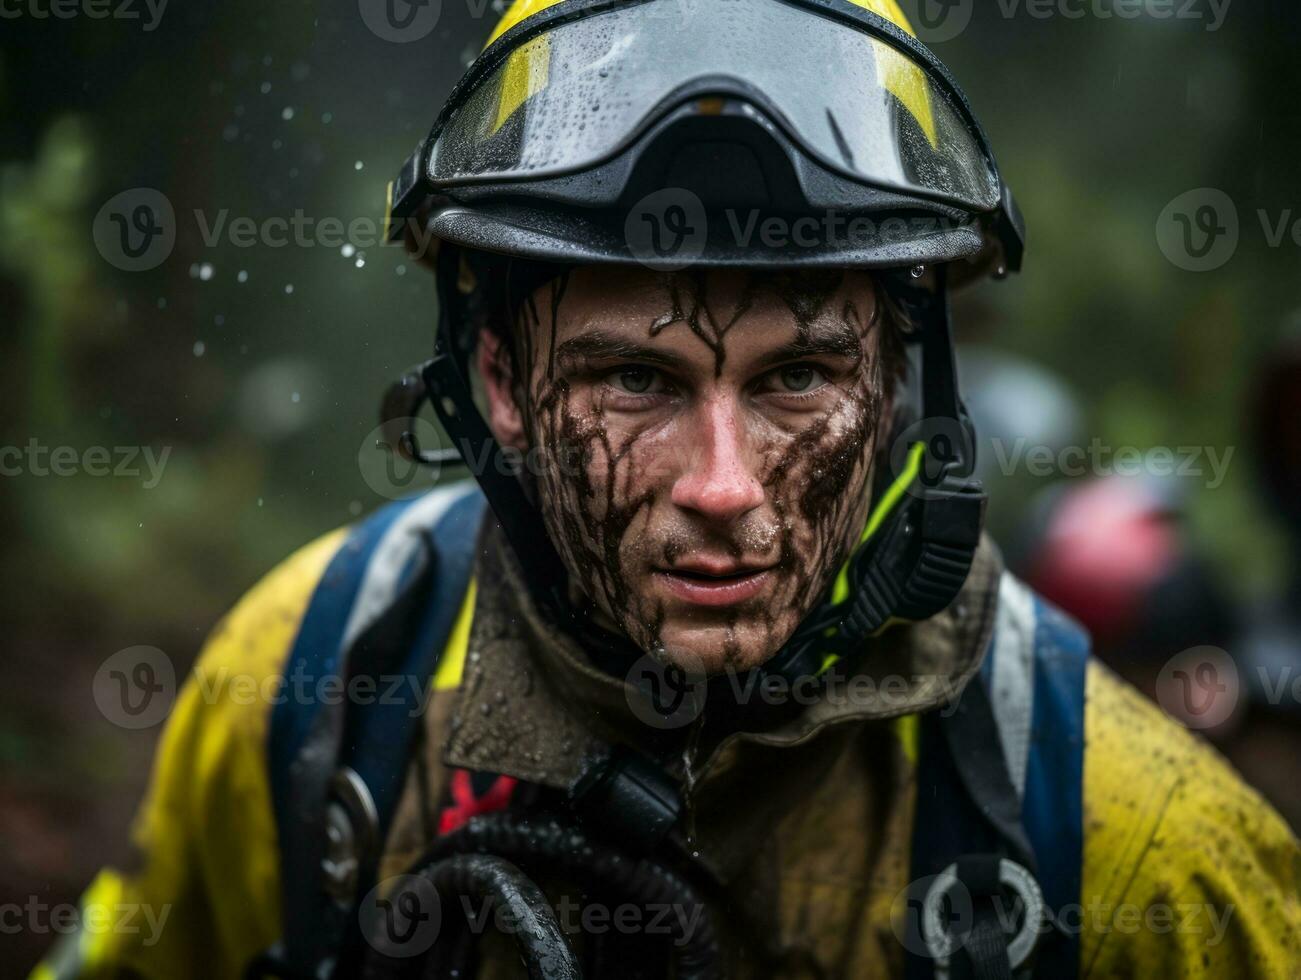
(466,805)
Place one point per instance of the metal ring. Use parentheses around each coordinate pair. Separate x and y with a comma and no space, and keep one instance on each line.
(352,834)
(942,944)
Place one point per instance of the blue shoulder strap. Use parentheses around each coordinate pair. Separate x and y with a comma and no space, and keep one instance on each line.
(356,678)
(1032,682)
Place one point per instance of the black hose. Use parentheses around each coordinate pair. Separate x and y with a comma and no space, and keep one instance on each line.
(541,941)
(546,847)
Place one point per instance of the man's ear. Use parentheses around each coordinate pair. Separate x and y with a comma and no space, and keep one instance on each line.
(499,383)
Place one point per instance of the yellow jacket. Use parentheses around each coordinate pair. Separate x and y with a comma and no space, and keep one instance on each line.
(1186,870)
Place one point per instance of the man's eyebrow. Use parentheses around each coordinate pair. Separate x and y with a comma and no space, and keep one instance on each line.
(600,345)
(834,341)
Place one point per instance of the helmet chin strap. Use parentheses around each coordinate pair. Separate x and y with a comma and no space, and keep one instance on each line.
(912,557)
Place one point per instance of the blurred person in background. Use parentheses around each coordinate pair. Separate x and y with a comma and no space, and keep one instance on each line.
(1120,554)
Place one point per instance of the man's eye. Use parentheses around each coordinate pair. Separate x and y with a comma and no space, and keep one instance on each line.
(637,381)
(798,379)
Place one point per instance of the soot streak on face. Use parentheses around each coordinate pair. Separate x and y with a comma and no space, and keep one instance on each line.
(815,478)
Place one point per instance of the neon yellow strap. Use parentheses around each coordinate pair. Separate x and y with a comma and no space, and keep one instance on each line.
(452,665)
(889,500)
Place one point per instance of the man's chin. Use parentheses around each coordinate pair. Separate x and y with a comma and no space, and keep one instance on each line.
(710,650)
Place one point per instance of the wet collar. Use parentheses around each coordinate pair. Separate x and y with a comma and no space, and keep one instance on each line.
(533,706)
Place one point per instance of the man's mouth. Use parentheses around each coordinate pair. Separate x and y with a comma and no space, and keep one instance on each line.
(706,583)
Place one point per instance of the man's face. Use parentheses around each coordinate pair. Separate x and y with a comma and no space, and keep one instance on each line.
(710,440)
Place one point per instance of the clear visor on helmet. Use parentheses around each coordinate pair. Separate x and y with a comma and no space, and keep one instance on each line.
(573,96)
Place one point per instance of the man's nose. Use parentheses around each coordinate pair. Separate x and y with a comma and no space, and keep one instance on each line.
(717,480)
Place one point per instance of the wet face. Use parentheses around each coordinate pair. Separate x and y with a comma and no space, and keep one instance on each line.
(710,439)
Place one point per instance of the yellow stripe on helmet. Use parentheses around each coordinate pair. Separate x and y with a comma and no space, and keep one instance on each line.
(527,69)
(527,72)
(897,73)
(520,10)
